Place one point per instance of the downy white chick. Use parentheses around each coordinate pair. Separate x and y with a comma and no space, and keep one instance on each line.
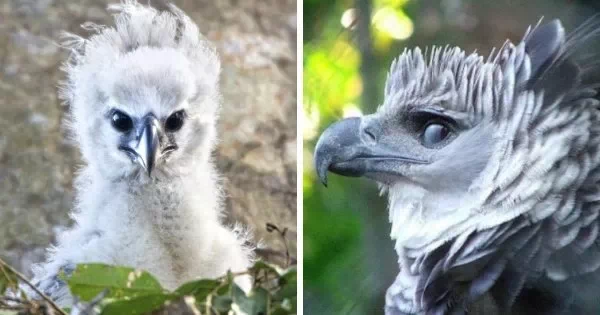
(144,100)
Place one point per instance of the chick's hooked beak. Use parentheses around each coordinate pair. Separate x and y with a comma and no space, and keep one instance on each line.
(146,148)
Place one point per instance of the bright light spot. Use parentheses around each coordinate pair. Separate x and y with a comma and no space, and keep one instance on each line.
(394,23)
(351,110)
(310,122)
(390,3)
(349,18)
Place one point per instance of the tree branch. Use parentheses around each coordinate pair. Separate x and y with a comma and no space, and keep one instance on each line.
(21,277)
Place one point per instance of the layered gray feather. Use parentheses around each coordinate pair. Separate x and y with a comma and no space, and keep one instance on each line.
(528,220)
(491,166)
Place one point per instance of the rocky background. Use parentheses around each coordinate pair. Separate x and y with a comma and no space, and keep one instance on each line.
(257,154)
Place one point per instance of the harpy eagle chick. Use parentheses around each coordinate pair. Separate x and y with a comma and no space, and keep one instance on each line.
(491,167)
(144,100)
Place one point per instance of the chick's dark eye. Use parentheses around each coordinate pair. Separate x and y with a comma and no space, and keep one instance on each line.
(434,134)
(175,121)
(121,121)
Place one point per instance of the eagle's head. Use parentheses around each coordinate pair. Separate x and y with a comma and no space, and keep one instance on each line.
(143,94)
(464,144)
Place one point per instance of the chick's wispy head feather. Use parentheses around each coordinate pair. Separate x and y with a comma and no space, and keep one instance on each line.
(489,163)
(151,65)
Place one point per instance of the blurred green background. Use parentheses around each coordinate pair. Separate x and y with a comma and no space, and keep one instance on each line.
(349,259)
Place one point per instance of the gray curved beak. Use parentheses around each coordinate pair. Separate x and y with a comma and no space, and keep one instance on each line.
(341,150)
(148,145)
(144,150)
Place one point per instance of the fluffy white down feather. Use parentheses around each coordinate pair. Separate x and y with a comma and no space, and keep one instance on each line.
(168,224)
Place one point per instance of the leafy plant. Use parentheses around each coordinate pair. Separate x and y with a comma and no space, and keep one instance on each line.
(104,289)
(107,290)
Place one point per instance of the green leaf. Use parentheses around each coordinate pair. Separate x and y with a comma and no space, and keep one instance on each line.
(263,266)
(5,312)
(221,303)
(252,304)
(200,289)
(8,279)
(141,304)
(88,280)
(288,283)
(264,273)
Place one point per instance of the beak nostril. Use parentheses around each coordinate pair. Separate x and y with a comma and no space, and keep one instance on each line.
(369,132)
(169,149)
(130,152)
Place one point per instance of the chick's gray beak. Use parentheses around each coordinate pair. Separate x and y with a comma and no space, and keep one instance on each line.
(148,145)
(341,150)
(144,149)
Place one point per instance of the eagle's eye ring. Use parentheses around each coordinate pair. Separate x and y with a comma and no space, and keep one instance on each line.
(435,133)
(121,122)
(175,121)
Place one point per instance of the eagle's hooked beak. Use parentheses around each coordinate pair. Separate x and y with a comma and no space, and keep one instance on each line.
(145,150)
(342,150)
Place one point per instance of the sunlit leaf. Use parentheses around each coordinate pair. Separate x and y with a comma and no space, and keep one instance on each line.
(200,289)
(141,304)
(389,3)
(393,22)
(89,280)
(266,267)
(331,77)
(382,41)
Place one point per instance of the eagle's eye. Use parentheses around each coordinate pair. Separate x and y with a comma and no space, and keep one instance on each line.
(175,121)
(121,121)
(435,133)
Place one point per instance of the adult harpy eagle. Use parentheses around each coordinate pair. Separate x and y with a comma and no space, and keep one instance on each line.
(492,168)
(144,100)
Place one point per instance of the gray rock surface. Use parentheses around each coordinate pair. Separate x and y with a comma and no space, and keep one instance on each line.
(258,124)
